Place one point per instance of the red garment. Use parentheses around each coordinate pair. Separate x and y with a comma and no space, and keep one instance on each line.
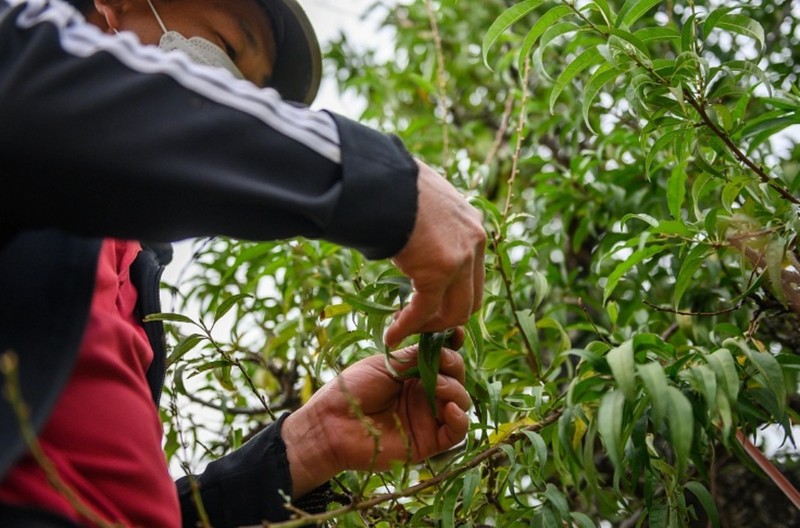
(104,435)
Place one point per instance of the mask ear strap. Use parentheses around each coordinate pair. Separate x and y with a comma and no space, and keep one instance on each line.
(158,18)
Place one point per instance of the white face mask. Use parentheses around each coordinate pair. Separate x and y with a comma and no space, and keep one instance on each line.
(199,50)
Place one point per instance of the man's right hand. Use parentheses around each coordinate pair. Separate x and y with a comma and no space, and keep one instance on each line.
(443,258)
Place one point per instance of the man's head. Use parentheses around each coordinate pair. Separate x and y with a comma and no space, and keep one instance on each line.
(270,42)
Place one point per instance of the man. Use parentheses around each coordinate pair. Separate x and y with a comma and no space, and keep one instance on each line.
(106,142)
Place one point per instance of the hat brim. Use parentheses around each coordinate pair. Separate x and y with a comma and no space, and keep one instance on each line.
(297,70)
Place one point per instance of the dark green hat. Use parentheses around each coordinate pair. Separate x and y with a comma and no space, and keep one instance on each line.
(298,66)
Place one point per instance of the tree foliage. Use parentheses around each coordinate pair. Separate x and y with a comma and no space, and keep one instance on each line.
(641,198)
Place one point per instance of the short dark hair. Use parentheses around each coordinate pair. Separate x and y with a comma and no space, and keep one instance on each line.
(83,5)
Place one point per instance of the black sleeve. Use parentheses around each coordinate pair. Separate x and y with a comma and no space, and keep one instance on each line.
(102,136)
(248,486)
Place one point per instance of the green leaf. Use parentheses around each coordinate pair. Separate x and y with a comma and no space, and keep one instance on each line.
(724,367)
(706,382)
(623,267)
(623,367)
(681,426)
(542,24)
(705,499)
(589,57)
(472,479)
(367,306)
(713,19)
(676,190)
(650,34)
(335,310)
(527,323)
(539,446)
(582,520)
(633,10)
(655,380)
(169,318)
(447,515)
(689,266)
(742,25)
(508,18)
(557,499)
(775,252)
(610,419)
(229,303)
(185,345)
(600,78)
(660,144)
(771,375)
(430,350)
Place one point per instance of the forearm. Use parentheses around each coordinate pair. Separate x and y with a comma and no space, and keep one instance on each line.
(97,143)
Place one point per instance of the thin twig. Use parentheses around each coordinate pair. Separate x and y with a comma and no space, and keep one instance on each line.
(533,357)
(694,314)
(9,366)
(441,85)
(520,127)
(494,451)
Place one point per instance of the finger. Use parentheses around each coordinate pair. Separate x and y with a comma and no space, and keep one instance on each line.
(413,318)
(452,364)
(450,390)
(456,425)
(456,339)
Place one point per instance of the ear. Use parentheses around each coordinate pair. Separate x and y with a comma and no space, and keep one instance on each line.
(110,12)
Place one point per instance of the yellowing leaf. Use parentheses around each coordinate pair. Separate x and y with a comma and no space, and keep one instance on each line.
(504,430)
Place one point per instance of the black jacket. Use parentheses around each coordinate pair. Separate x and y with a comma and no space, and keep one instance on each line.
(101,136)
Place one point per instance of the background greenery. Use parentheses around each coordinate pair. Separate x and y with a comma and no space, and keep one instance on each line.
(640,195)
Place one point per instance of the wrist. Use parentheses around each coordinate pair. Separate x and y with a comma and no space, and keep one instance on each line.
(309,452)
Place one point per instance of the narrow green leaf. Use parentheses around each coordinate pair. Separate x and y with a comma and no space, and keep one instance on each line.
(367,306)
(539,446)
(557,499)
(600,78)
(185,345)
(706,383)
(742,25)
(539,27)
(752,69)
(169,318)
(430,350)
(623,367)
(335,310)
(587,58)
(650,34)
(472,479)
(689,266)
(706,500)
(655,380)
(623,267)
(447,515)
(732,189)
(665,141)
(582,520)
(505,21)
(681,426)
(633,10)
(771,375)
(724,367)
(776,249)
(527,322)
(610,417)
(676,190)
(713,19)
(229,303)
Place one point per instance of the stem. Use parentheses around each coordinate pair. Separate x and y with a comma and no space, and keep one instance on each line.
(494,451)
(441,85)
(518,147)
(9,366)
(533,359)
